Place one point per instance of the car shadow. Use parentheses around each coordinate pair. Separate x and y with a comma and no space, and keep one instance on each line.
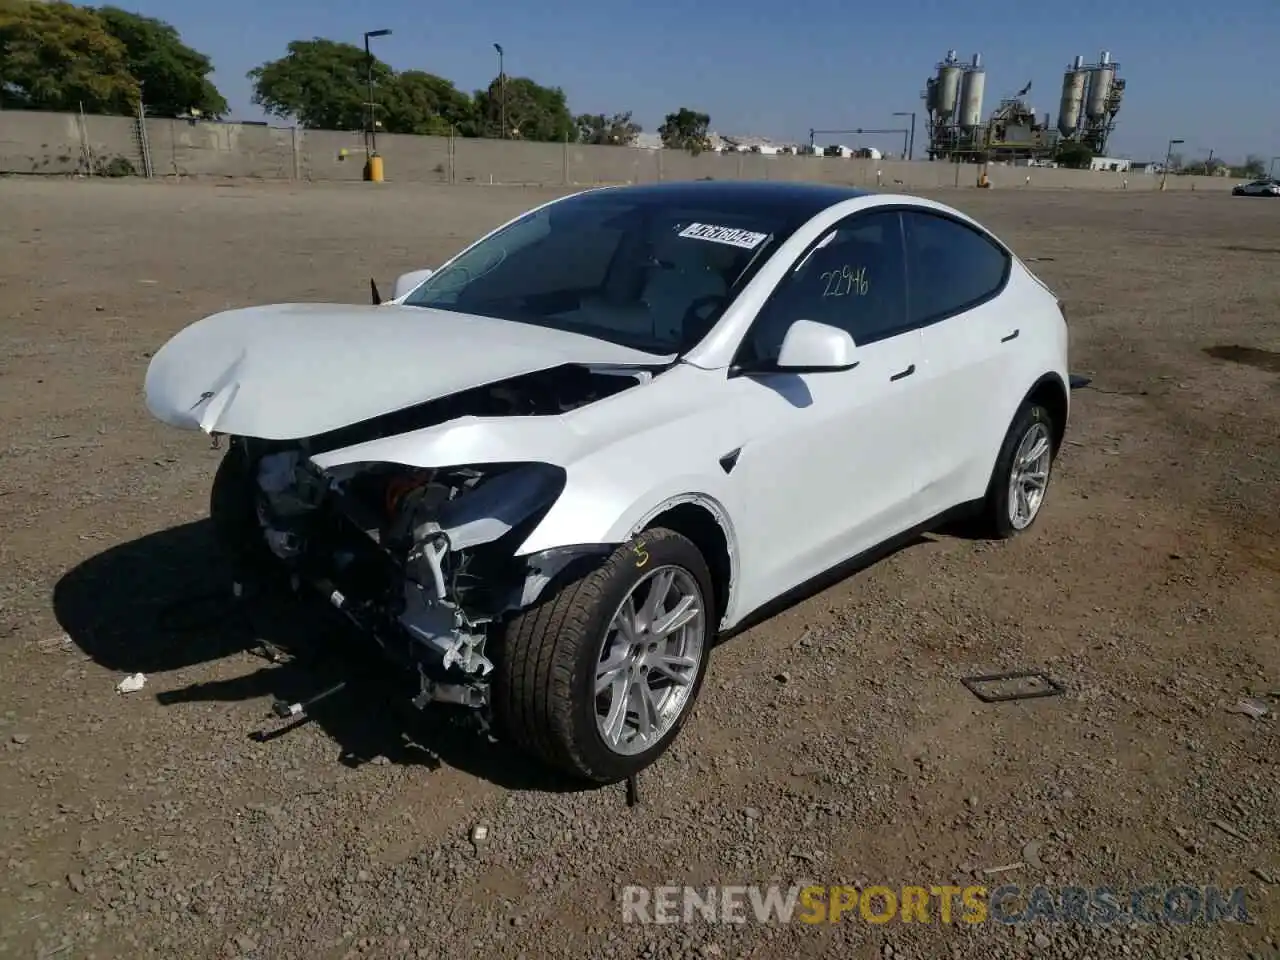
(969,528)
(811,588)
(163,603)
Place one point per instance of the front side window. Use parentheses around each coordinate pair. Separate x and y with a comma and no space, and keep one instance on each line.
(648,273)
(950,266)
(853,278)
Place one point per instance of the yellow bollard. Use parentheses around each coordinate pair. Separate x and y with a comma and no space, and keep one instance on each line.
(373,169)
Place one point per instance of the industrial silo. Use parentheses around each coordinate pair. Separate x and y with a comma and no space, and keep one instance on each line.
(1100,86)
(1073,83)
(931,95)
(947,90)
(972,86)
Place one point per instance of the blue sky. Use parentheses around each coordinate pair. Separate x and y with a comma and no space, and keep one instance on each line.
(1202,72)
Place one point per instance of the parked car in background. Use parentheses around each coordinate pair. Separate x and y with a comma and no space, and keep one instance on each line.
(1265,187)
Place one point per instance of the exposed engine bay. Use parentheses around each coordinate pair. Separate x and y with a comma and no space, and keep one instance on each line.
(423,559)
(543,393)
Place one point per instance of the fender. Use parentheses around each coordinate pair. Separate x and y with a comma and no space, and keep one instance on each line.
(721,516)
(1054,378)
(1057,380)
(548,562)
(596,508)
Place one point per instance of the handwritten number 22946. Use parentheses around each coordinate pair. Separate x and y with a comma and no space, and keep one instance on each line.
(845,282)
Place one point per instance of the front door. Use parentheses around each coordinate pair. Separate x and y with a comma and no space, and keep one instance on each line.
(829,471)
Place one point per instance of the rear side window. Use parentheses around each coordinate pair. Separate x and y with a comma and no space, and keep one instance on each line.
(951,267)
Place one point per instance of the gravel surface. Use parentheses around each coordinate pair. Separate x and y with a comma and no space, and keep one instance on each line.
(833,743)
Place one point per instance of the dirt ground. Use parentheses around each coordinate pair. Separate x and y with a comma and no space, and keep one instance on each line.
(833,743)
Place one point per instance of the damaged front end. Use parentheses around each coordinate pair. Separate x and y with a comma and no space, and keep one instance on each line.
(423,560)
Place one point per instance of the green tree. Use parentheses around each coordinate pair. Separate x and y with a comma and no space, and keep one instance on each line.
(174,77)
(533,112)
(686,130)
(615,130)
(321,84)
(56,56)
(423,103)
(1254,166)
(1075,156)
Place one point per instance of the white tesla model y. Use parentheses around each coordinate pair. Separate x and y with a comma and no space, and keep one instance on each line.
(546,475)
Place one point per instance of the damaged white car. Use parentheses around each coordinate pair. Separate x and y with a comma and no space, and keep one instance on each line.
(547,475)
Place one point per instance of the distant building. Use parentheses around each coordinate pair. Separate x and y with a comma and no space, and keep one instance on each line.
(1113,164)
(725,144)
(761,145)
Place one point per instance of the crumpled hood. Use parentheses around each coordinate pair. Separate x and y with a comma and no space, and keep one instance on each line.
(294,370)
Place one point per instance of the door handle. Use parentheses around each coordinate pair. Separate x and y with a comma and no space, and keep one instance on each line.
(904,373)
(1012,336)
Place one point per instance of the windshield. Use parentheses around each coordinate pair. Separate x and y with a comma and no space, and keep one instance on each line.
(646,272)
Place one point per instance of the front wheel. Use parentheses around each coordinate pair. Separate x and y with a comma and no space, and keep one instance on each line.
(597,679)
(233,513)
(1021,477)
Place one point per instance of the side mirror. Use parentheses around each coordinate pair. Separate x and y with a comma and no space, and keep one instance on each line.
(811,347)
(406,282)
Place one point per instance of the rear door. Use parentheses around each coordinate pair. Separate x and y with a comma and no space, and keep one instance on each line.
(955,278)
(830,470)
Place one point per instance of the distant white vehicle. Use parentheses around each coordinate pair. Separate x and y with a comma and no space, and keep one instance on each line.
(1265,187)
(546,475)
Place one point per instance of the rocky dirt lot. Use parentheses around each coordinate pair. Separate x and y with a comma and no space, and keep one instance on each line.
(833,743)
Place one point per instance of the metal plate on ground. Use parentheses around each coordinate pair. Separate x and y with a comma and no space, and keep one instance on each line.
(1018,685)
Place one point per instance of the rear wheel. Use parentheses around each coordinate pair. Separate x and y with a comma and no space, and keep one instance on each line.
(1021,477)
(598,678)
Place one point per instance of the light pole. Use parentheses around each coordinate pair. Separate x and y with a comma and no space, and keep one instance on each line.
(911,141)
(1271,170)
(371,135)
(1168,156)
(502,89)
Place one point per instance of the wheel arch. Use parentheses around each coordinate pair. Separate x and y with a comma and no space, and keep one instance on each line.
(704,521)
(1050,391)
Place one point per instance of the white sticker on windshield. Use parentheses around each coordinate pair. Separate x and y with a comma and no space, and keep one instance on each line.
(745,239)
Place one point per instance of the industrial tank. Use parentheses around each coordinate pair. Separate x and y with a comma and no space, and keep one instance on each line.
(1100,87)
(972,86)
(947,89)
(1073,82)
(931,95)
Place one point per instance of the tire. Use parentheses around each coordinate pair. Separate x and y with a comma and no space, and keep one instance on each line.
(233,513)
(544,688)
(997,518)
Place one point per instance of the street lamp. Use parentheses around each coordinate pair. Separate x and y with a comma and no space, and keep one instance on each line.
(911,141)
(1271,170)
(502,88)
(371,135)
(1168,157)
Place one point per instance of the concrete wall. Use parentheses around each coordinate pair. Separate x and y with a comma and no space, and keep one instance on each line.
(66,144)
